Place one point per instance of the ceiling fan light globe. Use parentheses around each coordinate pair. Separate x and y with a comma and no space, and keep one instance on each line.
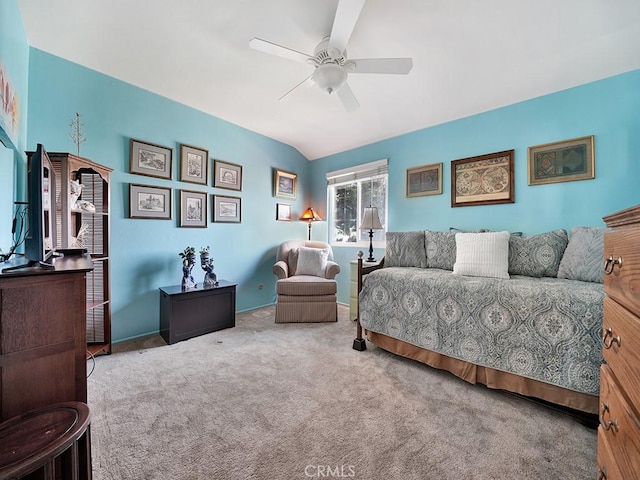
(329,77)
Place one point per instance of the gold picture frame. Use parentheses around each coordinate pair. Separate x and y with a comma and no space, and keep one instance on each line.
(424,180)
(565,161)
(483,180)
(283,212)
(285,184)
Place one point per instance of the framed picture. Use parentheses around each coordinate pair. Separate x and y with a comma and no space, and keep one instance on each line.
(562,161)
(149,202)
(149,159)
(227,175)
(424,180)
(284,184)
(227,209)
(283,212)
(193,164)
(483,180)
(193,209)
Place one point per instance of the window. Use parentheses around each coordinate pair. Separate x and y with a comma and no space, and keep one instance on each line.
(349,191)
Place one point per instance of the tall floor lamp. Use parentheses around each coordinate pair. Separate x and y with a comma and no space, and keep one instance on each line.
(371,222)
(310,216)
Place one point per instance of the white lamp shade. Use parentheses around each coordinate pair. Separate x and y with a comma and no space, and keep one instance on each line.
(370,219)
(329,77)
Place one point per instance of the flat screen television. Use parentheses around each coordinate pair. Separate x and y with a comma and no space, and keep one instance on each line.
(40,239)
(40,242)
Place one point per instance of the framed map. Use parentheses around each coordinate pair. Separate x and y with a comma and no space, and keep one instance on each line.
(483,180)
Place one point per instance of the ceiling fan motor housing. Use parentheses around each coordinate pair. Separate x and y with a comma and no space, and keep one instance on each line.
(329,74)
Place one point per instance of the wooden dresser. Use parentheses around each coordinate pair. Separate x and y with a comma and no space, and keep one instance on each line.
(42,335)
(619,430)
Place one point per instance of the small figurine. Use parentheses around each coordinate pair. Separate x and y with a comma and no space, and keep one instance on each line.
(77,205)
(210,278)
(188,261)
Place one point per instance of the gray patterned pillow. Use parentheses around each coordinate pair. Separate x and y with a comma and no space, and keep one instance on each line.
(584,255)
(537,255)
(441,249)
(405,249)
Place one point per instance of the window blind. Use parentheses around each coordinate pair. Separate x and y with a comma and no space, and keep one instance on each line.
(358,172)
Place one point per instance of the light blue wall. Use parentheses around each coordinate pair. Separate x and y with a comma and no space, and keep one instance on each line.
(14,54)
(608,109)
(145,252)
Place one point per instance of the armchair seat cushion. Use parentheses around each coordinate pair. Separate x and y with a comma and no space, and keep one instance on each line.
(303,285)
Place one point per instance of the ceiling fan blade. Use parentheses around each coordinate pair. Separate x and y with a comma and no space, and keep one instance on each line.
(399,66)
(279,50)
(348,99)
(344,22)
(307,82)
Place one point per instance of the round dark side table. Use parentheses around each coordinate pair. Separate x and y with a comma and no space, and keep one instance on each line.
(51,442)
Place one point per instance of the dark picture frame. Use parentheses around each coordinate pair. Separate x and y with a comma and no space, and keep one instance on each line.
(283,212)
(285,184)
(194,163)
(483,180)
(227,209)
(150,159)
(564,161)
(424,180)
(193,209)
(227,175)
(146,201)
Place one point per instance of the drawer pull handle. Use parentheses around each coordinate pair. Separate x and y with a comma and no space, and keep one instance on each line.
(611,423)
(608,334)
(602,473)
(610,262)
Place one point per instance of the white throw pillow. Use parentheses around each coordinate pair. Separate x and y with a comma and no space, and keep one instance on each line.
(482,254)
(312,261)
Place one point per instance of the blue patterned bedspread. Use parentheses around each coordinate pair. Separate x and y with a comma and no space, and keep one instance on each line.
(545,328)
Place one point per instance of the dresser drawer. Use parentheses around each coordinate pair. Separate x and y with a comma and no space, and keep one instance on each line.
(619,426)
(622,266)
(623,339)
(607,468)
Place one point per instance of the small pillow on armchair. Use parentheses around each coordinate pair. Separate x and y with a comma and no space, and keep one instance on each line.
(311,261)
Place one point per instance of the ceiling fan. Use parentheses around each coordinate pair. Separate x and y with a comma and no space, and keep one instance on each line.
(332,67)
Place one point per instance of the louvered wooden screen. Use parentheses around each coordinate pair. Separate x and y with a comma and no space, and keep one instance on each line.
(93,192)
(57,169)
(95,299)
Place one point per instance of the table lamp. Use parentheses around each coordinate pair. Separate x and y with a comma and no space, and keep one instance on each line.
(310,216)
(371,222)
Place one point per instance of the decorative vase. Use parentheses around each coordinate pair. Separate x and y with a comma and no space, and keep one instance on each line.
(210,278)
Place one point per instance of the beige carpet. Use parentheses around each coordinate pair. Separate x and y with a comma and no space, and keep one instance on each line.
(295,401)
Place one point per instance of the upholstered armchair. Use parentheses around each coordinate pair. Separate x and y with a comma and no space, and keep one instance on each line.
(306,285)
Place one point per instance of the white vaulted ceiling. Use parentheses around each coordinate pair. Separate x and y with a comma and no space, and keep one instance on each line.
(469,56)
